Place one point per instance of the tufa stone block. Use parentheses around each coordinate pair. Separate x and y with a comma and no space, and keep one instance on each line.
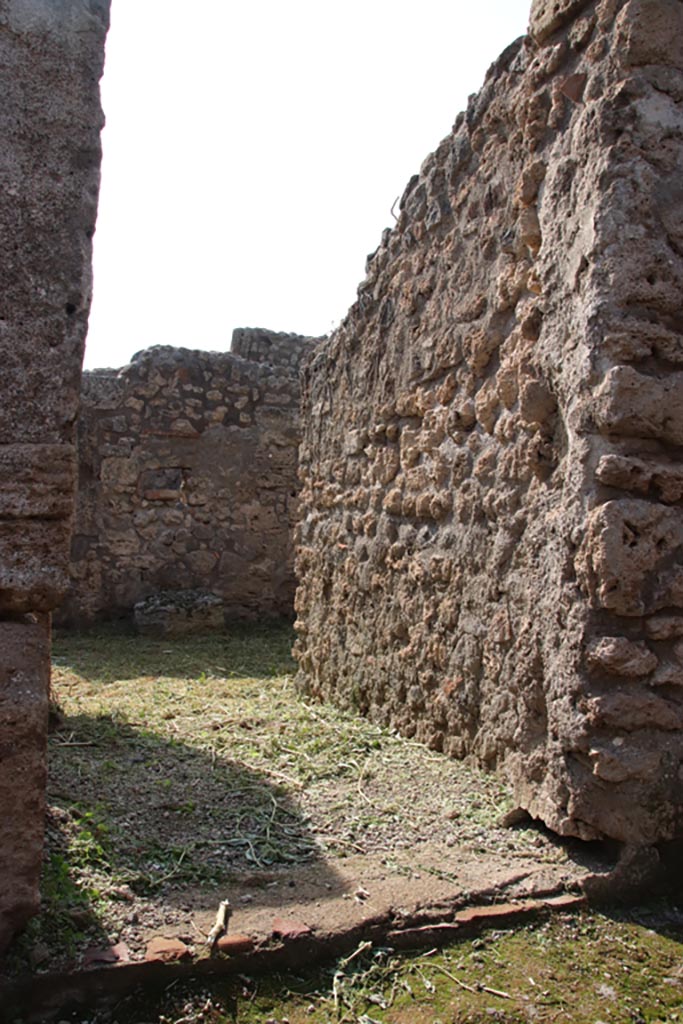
(651,32)
(34,555)
(547,16)
(24,681)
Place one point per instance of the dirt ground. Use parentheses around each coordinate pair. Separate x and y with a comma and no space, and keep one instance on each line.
(186,772)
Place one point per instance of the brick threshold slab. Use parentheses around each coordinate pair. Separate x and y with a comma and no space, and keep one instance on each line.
(288,946)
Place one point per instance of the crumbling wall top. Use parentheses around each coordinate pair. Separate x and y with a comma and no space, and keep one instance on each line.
(276,348)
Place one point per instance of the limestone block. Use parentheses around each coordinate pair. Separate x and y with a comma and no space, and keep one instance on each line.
(627,544)
(635,474)
(530,229)
(24,677)
(668,589)
(202,563)
(387,465)
(486,405)
(620,656)
(355,441)
(621,762)
(670,671)
(529,182)
(536,402)
(664,627)
(637,708)
(119,473)
(635,339)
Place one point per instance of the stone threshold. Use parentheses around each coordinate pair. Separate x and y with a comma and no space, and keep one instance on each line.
(289,946)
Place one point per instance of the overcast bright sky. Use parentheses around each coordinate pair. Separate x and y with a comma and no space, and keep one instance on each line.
(253,151)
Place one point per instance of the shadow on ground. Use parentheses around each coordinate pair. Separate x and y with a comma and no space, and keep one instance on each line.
(143,830)
(161,814)
(142,826)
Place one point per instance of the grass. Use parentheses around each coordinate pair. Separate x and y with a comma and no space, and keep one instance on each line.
(585,969)
(591,968)
(198,731)
(180,764)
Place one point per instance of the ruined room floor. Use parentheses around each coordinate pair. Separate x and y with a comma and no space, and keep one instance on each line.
(186,772)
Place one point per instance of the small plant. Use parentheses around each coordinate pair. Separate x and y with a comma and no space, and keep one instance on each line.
(88,843)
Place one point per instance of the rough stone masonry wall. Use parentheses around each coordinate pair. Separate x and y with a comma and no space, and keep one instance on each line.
(188,478)
(491,546)
(51,56)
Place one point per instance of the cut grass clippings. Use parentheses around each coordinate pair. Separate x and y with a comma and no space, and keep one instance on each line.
(180,764)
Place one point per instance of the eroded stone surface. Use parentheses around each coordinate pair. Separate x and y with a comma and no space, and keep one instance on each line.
(489,552)
(617,655)
(547,16)
(50,123)
(188,479)
(24,678)
(51,58)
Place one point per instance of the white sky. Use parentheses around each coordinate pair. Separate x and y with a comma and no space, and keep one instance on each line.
(253,151)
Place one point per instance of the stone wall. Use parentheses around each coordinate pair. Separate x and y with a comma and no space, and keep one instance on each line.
(51,57)
(188,479)
(491,545)
(277,348)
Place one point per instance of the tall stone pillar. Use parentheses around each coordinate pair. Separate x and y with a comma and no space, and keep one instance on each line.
(51,59)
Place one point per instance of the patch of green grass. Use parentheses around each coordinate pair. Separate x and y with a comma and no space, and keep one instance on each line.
(88,843)
(59,891)
(621,968)
(597,967)
(67,915)
(111,654)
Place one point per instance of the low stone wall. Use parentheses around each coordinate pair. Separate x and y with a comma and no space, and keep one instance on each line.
(188,479)
(51,58)
(491,546)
